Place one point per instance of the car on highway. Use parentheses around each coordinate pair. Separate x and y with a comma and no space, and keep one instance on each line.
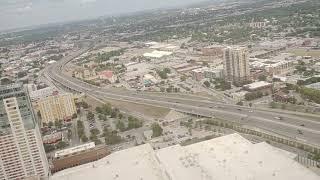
(278,117)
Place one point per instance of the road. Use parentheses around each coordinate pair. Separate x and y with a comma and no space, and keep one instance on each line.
(288,125)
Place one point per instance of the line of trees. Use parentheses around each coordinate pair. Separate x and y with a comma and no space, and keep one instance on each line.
(81,132)
(111,137)
(52,147)
(156,130)
(133,123)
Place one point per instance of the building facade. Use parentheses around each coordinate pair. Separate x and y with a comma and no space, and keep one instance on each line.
(236,65)
(59,107)
(22,155)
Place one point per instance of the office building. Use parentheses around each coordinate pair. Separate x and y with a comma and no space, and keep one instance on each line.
(225,158)
(22,154)
(57,107)
(236,65)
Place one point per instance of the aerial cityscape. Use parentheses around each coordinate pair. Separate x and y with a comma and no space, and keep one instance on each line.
(213,90)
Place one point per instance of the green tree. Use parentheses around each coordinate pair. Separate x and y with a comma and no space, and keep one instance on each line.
(167,70)
(121,126)
(262,77)
(156,130)
(207,84)
(273,105)
(112,138)
(90,116)
(205,64)
(120,116)
(98,109)
(49,147)
(183,78)
(102,117)
(50,124)
(95,131)
(84,138)
(134,123)
(58,124)
(240,103)
(162,74)
(62,145)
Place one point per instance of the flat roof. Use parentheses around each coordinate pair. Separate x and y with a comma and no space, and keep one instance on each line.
(202,69)
(157,54)
(257,84)
(188,68)
(75,149)
(228,157)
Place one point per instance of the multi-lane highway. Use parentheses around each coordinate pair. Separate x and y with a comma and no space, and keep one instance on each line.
(301,126)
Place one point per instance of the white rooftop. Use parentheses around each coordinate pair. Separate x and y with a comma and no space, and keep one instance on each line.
(157,54)
(202,69)
(257,84)
(225,158)
(75,149)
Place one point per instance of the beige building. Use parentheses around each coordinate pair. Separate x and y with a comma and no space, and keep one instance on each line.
(59,107)
(22,154)
(236,65)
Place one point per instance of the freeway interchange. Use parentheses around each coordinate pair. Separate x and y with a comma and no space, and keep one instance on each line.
(300,126)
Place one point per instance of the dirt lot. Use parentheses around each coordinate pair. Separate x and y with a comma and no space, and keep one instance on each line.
(305,52)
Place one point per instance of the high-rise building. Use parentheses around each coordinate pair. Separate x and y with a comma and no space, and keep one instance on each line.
(22,155)
(57,107)
(236,65)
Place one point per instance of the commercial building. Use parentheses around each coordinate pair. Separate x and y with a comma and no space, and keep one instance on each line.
(236,65)
(78,155)
(214,73)
(198,74)
(278,65)
(42,93)
(22,154)
(205,72)
(213,51)
(157,54)
(58,107)
(225,158)
(260,86)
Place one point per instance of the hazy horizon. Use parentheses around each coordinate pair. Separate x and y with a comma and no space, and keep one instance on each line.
(24,13)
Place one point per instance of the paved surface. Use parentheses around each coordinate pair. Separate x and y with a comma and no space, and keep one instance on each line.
(290,124)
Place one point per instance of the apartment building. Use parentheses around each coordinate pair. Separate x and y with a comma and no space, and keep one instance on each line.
(22,155)
(57,107)
(236,65)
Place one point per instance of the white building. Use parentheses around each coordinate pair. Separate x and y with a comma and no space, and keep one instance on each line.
(157,54)
(225,158)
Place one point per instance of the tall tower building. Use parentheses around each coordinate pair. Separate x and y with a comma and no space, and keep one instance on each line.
(22,155)
(236,65)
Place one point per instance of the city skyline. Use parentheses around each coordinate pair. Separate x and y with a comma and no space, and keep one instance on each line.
(26,13)
(217,90)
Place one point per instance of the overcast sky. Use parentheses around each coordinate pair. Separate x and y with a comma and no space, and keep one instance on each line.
(21,13)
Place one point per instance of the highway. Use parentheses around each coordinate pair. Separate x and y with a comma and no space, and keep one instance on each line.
(295,125)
